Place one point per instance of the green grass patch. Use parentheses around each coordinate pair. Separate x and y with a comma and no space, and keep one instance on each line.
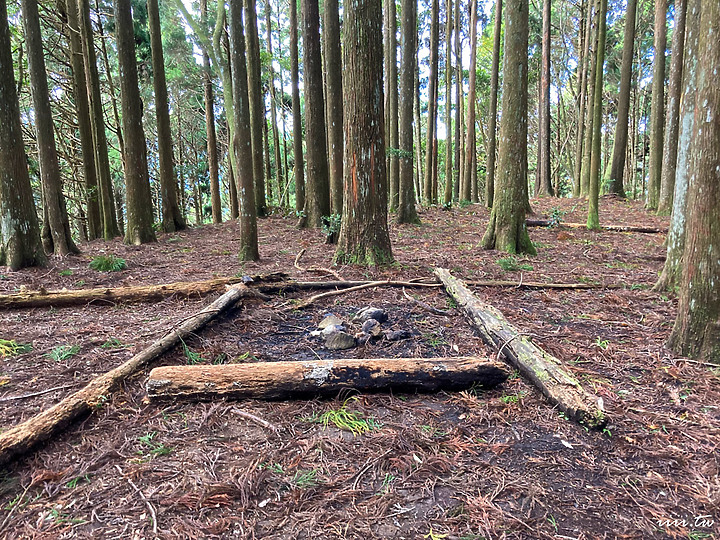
(63,352)
(108,263)
(511,264)
(10,348)
(347,420)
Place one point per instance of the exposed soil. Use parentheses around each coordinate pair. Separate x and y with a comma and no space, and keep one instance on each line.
(494,464)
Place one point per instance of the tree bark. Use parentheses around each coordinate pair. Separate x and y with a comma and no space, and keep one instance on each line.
(58,239)
(139,228)
(429,196)
(298,160)
(590,109)
(544,371)
(364,236)
(617,165)
(242,141)
(672,270)
(392,127)
(657,107)
(273,115)
(582,95)
(696,326)
(20,244)
(447,196)
(22,438)
(506,230)
(545,187)
(672,126)
(317,192)
(492,121)
(470,120)
(334,79)
(593,220)
(406,212)
(172,219)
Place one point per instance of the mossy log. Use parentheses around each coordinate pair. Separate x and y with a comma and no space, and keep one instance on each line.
(614,228)
(545,371)
(21,438)
(288,379)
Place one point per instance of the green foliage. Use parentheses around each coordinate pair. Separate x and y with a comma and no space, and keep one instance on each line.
(152,447)
(331,224)
(64,273)
(108,263)
(511,264)
(305,479)
(556,217)
(63,352)
(191,356)
(114,343)
(602,343)
(72,484)
(346,420)
(12,348)
(463,203)
(513,398)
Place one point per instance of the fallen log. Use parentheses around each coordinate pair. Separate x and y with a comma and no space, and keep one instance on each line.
(545,371)
(140,293)
(614,228)
(21,438)
(280,380)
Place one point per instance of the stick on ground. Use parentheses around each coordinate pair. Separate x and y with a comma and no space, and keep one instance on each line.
(21,438)
(545,371)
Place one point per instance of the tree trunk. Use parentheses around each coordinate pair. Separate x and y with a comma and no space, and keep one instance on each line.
(242,142)
(139,228)
(590,109)
(657,107)
(492,121)
(545,185)
(82,108)
(695,333)
(333,71)
(286,379)
(212,153)
(672,270)
(364,237)
(672,126)
(431,134)
(317,192)
(273,111)
(466,188)
(20,244)
(392,128)
(593,220)
(447,196)
(547,373)
(59,240)
(507,230)
(582,94)
(298,160)
(617,165)
(112,219)
(406,212)
(172,219)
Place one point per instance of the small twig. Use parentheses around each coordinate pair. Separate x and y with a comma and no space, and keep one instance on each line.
(255,419)
(367,466)
(426,307)
(33,394)
(308,301)
(150,508)
(7,518)
(318,269)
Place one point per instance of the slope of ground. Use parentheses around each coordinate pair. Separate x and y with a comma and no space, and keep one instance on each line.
(498,464)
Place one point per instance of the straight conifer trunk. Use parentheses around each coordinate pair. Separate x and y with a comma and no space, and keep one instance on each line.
(210,130)
(593,220)
(582,98)
(392,128)
(333,77)
(447,196)
(492,121)
(466,194)
(657,106)
(545,186)
(20,244)
(298,160)
(429,194)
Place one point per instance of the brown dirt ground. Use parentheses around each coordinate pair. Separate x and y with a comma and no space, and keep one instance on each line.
(495,464)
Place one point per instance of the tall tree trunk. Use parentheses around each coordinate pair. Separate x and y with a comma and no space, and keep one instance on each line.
(447,196)
(657,107)
(593,220)
(617,165)
(317,193)
(82,108)
(420,155)
(364,237)
(212,153)
(459,127)
(298,160)
(391,127)
(590,109)
(672,126)
(59,240)
(492,121)
(430,149)
(696,330)
(111,226)
(257,107)
(242,142)
(406,212)
(172,219)
(333,72)
(139,228)
(672,270)
(584,48)
(20,244)
(545,187)
(470,120)
(279,176)
(506,230)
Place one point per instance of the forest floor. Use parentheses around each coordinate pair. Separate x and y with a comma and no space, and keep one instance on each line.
(473,464)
